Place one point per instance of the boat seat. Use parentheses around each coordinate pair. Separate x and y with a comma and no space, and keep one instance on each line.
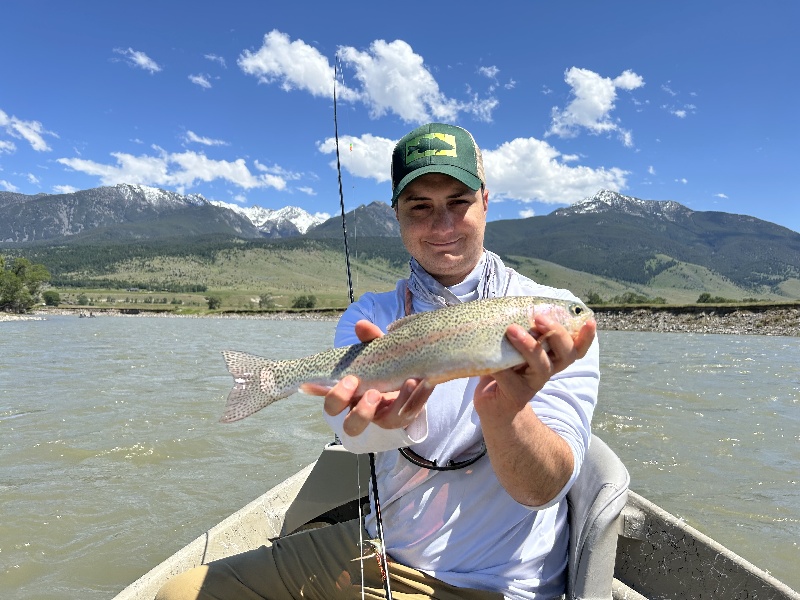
(595,501)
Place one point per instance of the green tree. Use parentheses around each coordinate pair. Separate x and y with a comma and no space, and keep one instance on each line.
(20,284)
(266,301)
(51,298)
(83,300)
(593,298)
(309,301)
(214,302)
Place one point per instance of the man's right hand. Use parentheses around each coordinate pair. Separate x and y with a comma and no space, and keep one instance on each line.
(392,410)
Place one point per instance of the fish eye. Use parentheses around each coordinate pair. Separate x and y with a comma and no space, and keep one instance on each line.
(577,309)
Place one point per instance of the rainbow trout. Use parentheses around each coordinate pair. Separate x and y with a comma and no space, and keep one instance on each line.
(464,340)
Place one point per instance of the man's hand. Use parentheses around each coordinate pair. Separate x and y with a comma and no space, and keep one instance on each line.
(553,350)
(393,410)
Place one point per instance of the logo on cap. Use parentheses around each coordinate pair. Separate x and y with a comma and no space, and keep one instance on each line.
(430,144)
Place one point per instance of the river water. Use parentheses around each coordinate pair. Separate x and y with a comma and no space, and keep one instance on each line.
(112,456)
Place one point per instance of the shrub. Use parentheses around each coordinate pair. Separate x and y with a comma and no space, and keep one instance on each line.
(304,301)
(51,298)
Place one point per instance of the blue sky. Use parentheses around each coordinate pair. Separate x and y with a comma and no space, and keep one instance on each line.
(688,101)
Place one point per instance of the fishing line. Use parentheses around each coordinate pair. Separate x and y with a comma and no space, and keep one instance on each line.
(381,555)
(339,172)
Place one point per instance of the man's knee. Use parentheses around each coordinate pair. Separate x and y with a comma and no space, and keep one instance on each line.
(185,586)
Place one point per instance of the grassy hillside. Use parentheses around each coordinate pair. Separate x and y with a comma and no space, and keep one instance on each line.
(240,272)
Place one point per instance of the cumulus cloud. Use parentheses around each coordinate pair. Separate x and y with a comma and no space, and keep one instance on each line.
(8,186)
(682,180)
(192,137)
(367,156)
(31,131)
(723,196)
(528,169)
(389,78)
(180,170)
(200,80)
(524,169)
(592,102)
(32,178)
(138,59)
(64,189)
(527,213)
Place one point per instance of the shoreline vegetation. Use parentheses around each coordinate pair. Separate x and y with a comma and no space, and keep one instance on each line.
(756,319)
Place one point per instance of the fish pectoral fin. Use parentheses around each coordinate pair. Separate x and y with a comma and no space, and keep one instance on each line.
(315,389)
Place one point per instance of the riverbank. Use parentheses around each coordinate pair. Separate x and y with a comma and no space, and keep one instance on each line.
(752,320)
(733,320)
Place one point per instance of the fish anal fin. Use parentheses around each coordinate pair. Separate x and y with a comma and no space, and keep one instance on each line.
(315,389)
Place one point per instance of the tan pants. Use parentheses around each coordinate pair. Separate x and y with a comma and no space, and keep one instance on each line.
(321,564)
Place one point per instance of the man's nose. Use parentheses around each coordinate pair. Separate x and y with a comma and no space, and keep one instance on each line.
(443,219)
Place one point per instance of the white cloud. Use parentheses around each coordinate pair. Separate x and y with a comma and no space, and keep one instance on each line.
(307,190)
(682,180)
(201,80)
(527,213)
(192,137)
(524,169)
(64,189)
(296,65)
(490,72)
(8,186)
(681,114)
(322,215)
(138,59)
(592,101)
(369,157)
(723,196)
(180,170)
(389,78)
(651,170)
(217,59)
(32,178)
(31,131)
(528,169)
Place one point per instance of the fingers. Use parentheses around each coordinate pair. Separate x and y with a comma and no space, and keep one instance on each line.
(390,411)
(340,396)
(367,331)
(394,410)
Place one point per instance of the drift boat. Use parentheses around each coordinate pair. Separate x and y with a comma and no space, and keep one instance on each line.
(622,546)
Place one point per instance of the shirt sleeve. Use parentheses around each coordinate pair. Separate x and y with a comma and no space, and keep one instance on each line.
(375,309)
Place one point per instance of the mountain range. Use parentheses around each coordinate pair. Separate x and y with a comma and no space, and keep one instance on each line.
(610,235)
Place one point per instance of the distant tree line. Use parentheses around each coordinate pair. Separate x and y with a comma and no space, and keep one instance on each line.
(123,284)
(21,282)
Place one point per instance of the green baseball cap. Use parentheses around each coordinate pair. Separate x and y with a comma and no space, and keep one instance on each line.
(436,148)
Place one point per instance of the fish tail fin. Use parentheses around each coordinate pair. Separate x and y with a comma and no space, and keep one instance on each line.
(255,385)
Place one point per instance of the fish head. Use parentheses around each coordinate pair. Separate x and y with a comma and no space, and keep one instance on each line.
(571,314)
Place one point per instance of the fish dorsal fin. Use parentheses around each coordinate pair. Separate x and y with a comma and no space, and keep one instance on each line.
(402,322)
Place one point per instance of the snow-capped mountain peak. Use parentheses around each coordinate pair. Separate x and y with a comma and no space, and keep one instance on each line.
(275,223)
(608,200)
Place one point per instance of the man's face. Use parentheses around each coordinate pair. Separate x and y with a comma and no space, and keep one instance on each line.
(442,223)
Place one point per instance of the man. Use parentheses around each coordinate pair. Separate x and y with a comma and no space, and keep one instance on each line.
(473,473)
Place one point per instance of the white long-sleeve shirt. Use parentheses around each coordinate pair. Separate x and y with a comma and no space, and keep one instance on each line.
(462,526)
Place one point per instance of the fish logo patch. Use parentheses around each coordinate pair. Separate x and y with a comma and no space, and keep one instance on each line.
(430,144)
